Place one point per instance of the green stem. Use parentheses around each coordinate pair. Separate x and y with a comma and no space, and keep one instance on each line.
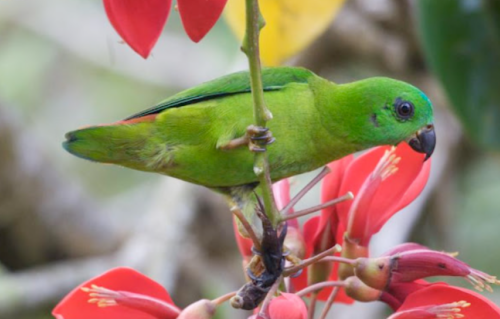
(250,46)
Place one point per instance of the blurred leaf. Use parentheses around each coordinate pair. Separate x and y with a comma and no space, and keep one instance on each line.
(461,39)
(291,25)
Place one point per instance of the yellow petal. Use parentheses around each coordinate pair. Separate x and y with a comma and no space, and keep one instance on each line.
(291,25)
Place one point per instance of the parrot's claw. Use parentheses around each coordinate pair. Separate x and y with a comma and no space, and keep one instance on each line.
(256,137)
(259,138)
(256,149)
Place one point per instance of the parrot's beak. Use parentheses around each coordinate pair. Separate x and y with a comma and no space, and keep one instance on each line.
(424,141)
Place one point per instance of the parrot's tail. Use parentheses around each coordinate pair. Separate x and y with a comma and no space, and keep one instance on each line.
(123,143)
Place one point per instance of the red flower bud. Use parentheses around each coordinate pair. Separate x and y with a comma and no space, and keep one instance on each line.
(287,306)
(417,264)
(202,309)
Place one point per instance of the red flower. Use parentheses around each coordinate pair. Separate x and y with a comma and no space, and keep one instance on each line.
(140,23)
(120,293)
(384,180)
(380,189)
(442,299)
(287,306)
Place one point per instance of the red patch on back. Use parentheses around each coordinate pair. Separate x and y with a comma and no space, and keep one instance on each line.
(147,118)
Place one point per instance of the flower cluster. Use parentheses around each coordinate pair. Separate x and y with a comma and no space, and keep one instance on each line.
(140,23)
(383,180)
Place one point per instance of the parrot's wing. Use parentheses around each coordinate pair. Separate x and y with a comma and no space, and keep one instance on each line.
(273,79)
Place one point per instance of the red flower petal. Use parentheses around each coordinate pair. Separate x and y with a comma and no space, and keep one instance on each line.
(139,23)
(397,293)
(75,305)
(330,190)
(355,175)
(403,248)
(281,192)
(400,189)
(287,306)
(244,244)
(438,294)
(199,16)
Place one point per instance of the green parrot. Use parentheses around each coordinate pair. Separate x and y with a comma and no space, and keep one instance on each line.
(193,135)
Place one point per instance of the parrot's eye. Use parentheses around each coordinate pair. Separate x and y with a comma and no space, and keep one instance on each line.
(404,109)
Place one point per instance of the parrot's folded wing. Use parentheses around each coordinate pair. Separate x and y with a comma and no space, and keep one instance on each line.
(273,79)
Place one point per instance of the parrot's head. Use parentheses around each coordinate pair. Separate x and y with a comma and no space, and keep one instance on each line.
(393,111)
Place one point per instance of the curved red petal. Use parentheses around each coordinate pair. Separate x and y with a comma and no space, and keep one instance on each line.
(281,191)
(355,175)
(403,248)
(400,189)
(311,233)
(199,16)
(75,305)
(331,183)
(480,306)
(287,306)
(244,244)
(401,290)
(330,188)
(139,23)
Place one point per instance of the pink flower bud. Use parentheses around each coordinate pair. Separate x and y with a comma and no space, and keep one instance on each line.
(287,306)
(202,309)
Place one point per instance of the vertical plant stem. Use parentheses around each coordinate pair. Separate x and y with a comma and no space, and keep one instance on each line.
(250,46)
(329,303)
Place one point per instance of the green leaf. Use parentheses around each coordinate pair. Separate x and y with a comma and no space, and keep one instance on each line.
(461,40)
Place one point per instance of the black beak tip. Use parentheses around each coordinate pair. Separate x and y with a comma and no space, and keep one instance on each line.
(425,141)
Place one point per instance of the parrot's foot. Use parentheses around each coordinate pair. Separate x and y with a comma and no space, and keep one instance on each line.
(256,137)
(260,137)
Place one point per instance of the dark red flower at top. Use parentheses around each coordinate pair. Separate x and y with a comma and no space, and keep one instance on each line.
(121,293)
(199,16)
(140,23)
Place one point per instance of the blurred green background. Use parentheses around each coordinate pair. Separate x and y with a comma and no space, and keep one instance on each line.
(64,220)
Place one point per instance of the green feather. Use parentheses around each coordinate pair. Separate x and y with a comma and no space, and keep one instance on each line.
(228,85)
